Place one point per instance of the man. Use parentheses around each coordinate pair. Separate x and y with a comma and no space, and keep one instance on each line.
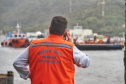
(51,60)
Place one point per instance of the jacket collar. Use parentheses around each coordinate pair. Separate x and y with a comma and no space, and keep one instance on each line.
(55,36)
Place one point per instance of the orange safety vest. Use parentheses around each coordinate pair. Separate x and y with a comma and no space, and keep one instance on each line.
(51,61)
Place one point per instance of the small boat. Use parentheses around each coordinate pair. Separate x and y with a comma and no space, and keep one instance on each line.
(85,39)
(15,39)
(19,40)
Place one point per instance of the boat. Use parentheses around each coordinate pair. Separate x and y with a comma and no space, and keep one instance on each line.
(15,39)
(85,39)
(99,46)
(98,43)
(7,41)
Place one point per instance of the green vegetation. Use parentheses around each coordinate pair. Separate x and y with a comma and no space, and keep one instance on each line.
(36,15)
(110,24)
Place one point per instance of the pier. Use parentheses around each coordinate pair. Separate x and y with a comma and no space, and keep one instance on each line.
(7,78)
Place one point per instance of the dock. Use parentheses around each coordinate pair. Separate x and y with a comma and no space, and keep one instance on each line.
(7,78)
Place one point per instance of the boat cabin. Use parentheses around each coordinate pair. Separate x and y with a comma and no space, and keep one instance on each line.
(22,35)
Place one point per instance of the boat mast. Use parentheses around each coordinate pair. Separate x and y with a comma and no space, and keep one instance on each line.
(70,8)
(18,27)
(103,4)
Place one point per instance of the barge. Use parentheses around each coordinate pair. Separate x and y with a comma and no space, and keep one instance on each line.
(99,46)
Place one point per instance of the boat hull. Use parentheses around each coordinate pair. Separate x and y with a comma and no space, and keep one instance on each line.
(100,46)
(18,42)
(6,43)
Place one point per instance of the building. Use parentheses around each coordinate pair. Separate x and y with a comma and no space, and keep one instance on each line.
(79,32)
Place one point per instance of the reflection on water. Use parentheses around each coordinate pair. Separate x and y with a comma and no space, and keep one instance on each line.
(106,67)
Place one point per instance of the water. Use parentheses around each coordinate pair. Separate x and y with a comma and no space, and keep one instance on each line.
(106,67)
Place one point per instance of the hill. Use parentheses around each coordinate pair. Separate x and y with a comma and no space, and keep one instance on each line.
(110,24)
(36,14)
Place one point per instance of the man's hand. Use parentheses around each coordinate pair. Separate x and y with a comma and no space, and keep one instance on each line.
(69,37)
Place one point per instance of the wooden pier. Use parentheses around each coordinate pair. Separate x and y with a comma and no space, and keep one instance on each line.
(7,78)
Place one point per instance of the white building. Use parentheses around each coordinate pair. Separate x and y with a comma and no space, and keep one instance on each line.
(79,32)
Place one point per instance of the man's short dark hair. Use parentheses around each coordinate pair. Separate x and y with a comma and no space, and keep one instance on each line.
(58,25)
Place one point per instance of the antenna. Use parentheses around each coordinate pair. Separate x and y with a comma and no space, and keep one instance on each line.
(70,6)
(103,3)
(18,24)
(18,27)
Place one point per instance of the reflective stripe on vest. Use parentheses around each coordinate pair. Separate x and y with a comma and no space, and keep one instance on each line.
(51,45)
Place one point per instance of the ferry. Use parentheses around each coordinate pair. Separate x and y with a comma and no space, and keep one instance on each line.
(15,39)
(85,39)
(98,43)
(99,46)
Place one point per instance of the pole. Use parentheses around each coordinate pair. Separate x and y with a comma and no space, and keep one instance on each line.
(70,6)
(103,3)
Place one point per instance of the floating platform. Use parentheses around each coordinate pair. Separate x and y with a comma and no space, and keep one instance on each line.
(99,46)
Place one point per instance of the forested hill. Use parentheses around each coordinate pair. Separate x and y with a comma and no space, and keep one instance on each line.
(110,24)
(36,14)
(31,12)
